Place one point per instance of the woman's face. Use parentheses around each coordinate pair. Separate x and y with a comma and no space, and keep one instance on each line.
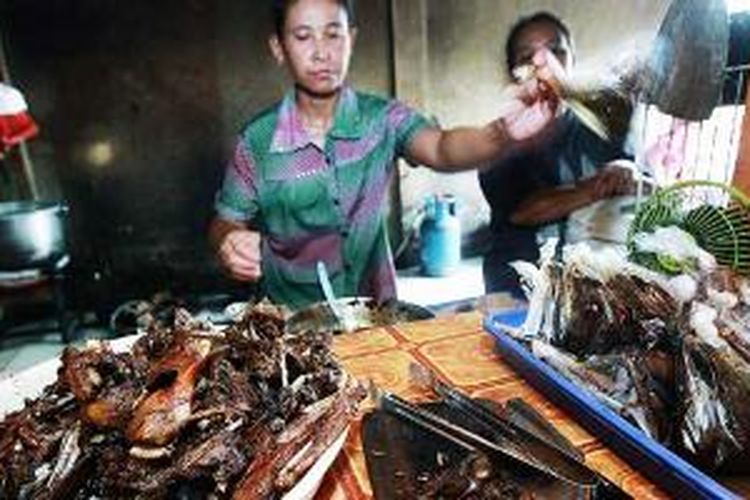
(316,45)
(542,36)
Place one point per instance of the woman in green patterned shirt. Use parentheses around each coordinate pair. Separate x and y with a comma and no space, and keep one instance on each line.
(310,175)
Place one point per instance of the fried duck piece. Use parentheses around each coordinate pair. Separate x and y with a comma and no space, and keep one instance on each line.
(159,417)
(217,455)
(113,408)
(282,459)
(31,437)
(105,384)
(258,341)
(80,370)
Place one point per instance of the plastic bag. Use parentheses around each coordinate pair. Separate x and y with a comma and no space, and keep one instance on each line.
(622,380)
(16,124)
(715,389)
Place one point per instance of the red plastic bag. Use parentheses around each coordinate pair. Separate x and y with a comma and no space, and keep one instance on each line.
(15,129)
(16,124)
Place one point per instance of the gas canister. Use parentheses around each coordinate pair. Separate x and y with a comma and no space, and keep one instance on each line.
(440,234)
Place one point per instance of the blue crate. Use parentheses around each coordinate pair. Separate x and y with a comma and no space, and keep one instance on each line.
(663,467)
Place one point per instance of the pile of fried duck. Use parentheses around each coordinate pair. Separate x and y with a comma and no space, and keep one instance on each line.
(670,353)
(241,412)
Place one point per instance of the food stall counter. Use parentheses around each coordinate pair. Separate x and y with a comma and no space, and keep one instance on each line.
(458,349)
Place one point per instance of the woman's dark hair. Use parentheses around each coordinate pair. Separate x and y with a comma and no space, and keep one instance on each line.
(281,8)
(525,22)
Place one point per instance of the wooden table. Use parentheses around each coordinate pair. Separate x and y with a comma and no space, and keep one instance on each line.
(457,348)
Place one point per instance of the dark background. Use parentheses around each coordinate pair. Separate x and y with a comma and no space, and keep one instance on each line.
(735,88)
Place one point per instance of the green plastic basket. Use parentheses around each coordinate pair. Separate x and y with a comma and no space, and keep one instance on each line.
(717,215)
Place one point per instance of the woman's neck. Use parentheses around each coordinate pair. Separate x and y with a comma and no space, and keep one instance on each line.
(317,113)
(317,108)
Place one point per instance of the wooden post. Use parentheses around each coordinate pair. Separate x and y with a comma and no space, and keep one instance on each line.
(411,85)
(742,168)
(410,51)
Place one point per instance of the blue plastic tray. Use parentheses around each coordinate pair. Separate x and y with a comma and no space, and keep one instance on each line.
(656,462)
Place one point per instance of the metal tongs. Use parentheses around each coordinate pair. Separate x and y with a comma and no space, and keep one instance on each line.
(500,437)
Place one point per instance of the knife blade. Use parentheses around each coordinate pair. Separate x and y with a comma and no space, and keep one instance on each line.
(573,472)
(558,462)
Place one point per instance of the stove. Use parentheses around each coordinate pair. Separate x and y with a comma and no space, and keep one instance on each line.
(23,293)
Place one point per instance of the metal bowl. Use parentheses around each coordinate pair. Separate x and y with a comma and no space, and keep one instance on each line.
(32,234)
(365,312)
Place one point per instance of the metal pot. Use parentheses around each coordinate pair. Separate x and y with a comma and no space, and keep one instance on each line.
(32,234)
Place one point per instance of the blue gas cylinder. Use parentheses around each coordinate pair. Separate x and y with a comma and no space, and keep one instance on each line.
(440,232)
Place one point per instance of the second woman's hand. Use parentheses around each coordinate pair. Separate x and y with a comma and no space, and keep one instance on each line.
(613,180)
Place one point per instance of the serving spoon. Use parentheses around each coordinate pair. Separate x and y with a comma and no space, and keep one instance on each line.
(343,314)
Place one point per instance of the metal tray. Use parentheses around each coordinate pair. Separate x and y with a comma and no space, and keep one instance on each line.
(665,468)
(400,458)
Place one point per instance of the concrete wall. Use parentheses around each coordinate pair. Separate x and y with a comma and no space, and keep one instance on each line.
(465,67)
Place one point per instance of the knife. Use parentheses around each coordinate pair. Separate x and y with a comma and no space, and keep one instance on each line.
(573,472)
(522,415)
(557,461)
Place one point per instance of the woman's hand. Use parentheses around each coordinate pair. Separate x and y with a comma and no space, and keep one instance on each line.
(534,101)
(239,253)
(528,108)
